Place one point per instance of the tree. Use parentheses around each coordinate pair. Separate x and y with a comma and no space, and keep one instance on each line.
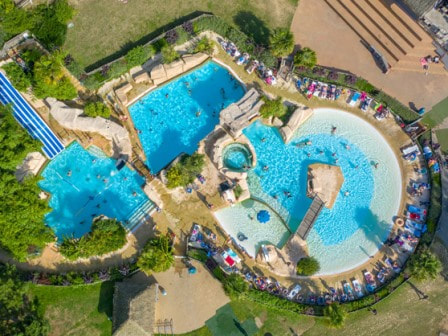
(424,265)
(15,20)
(157,256)
(18,77)
(63,11)
(273,108)
(335,315)
(22,228)
(106,235)
(305,57)
(176,177)
(169,54)
(204,45)
(19,312)
(97,109)
(308,266)
(185,171)
(234,285)
(49,79)
(47,27)
(282,42)
(139,55)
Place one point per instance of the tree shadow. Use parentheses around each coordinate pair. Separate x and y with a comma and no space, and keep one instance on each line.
(105,302)
(252,26)
(374,229)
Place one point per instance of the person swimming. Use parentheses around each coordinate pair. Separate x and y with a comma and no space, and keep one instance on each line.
(347,147)
(69,173)
(333,129)
(167,95)
(134,193)
(198,113)
(308,143)
(308,154)
(265,168)
(263,139)
(346,194)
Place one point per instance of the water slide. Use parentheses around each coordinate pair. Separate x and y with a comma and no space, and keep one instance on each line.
(29,118)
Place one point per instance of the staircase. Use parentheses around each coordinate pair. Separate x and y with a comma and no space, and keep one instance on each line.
(310,218)
(97,152)
(140,215)
(384,25)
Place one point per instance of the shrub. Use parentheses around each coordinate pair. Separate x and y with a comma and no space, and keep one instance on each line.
(117,69)
(321,72)
(281,42)
(97,109)
(63,11)
(204,45)
(237,191)
(273,108)
(363,85)
(235,286)
(185,171)
(157,256)
(106,235)
(169,54)
(138,55)
(335,315)
(18,77)
(219,273)
(305,57)
(188,27)
(278,303)
(333,76)
(171,36)
(182,36)
(424,265)
(308,266)
(200,255)
(350,79)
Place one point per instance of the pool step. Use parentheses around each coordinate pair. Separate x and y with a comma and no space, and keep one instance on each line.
(97,152)
(140,215)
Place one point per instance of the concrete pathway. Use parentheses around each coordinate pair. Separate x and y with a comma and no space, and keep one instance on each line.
(442,230)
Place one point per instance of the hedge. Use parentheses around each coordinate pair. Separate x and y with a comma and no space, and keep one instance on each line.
(199,255)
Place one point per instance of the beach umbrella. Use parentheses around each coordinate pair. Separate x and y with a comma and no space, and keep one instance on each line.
(263,216)
(192,270)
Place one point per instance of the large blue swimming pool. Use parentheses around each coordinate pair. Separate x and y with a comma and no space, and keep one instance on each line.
(346,235)
(177,116)
(83,185)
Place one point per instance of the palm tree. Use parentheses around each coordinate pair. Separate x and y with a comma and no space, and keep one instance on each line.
(335,314)
(305,57)
(157,256)
(282,42)
(424,265)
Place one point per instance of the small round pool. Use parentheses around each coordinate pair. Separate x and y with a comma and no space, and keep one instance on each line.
(237,157)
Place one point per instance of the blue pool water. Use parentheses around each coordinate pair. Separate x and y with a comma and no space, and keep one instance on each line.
(95,187)
(174,118)
(237,157)
(346,235)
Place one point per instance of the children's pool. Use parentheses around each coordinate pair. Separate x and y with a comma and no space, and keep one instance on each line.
(174,118)
(355,228)
(84,185)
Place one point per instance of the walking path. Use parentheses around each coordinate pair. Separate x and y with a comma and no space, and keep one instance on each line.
(442,230)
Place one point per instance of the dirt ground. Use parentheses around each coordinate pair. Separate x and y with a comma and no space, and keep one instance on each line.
(317,26)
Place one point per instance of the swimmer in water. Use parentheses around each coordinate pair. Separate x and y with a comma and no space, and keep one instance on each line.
(321,152)
(357,166)
(69,173)
(334,154)
(308,154)
(347,147)
(275,196)
(346,194)
(134,193)
(263,139)
(265,168)
(167,95)
(94,160)
(333,130)
(98,176)
(376,164)
(309,143)
(198,113)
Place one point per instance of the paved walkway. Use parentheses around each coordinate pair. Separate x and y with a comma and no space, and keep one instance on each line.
(317,26)
(442,230)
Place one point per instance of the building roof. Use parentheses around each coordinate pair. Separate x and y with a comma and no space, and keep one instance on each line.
(134,309)
(419,7)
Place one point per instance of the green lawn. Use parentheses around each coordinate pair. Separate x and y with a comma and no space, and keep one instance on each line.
(77,310)
(105,29)
(442,136)
(438,113)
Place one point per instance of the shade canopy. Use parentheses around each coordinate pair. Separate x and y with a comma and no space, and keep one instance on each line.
(263,216)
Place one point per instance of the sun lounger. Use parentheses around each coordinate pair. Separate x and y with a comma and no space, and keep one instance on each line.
(292,294)
(410,150)
(348,290)
(358,288)
(371,284)
(354,99)
(415,209)
(366,104)
(194,232)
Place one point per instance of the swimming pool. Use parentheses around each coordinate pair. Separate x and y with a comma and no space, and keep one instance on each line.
(83,185)
(174,118)
(355,228)
(237,157)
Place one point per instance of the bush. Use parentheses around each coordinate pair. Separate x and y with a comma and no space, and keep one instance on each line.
(188,27)
(333,76)
(237,191)
(97,109)
(200,255)
(272,108)
(182,36)
(363,85)
(169,54)
(351,79)
(321,72)
(106,235)
(335,315)
(63,11)
(278,303)
(308,266)
(281,42)
(117,69)
(185,171)
(171,36)
(204,45)
(157,256)
(305,57)
(235,286)
(18,77)
(139,55)
(424,265)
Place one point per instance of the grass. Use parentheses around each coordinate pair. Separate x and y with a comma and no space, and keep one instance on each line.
(442,136)
(77,310)
(438,113)
(105,29)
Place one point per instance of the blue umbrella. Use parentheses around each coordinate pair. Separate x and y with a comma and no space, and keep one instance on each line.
(263,216)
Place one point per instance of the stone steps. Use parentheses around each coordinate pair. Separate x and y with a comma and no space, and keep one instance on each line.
(361,30)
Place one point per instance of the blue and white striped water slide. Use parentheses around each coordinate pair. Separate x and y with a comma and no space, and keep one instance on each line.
(29,118)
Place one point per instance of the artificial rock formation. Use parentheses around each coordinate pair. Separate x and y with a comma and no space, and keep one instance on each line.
(325,181)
